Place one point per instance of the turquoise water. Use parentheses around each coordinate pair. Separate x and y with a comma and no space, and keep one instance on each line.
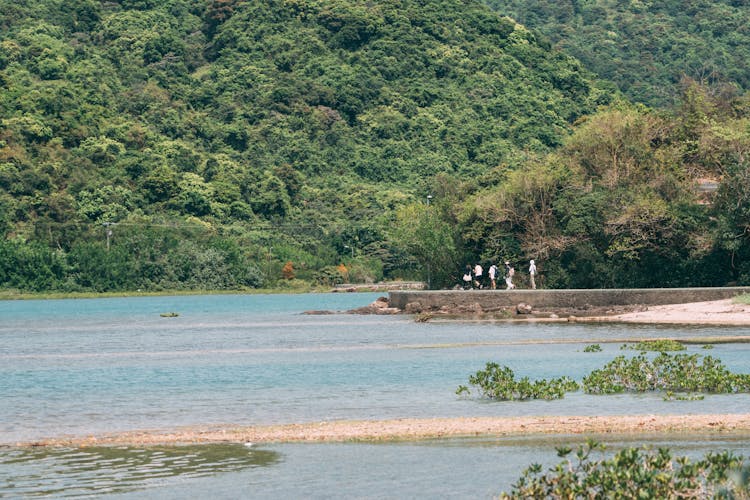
(80,367)
(448,468)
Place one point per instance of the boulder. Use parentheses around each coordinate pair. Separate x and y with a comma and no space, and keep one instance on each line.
(523,308)
(413,308)
(380,306)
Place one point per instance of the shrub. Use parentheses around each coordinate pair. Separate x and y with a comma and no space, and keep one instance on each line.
(656,345)
(287,272)
(634,473)
(329,276)
(496,382)
(678,373)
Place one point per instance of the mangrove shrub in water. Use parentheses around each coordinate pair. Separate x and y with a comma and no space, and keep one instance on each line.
(634,473)
(496,382)
(593,348)
(678,373)
(655,346)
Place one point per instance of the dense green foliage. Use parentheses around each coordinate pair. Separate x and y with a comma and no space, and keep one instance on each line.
(618,206)
(688,373)
(499,383)
(197,144)
(634,473)
(682,374)
(291,129)
(655,345)
(644,47)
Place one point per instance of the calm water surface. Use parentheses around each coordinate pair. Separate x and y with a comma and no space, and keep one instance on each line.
(77,367)
(448,468)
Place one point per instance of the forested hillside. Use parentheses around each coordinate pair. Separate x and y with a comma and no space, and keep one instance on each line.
(255,133)
(646,47)
(227,144)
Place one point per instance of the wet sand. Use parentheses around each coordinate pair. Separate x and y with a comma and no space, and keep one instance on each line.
(413,429)
(716,312)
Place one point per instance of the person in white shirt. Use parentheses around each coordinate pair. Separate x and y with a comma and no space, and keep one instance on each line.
(478,276)
(492,273)
(532,273)
(509,272)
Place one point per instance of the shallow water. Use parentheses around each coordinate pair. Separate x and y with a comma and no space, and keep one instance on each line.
(446,468)
(80,367)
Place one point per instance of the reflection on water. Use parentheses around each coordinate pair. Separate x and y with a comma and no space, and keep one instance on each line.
(100,470)
(472,467)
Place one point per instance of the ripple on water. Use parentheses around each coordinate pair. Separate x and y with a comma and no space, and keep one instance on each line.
(98,470)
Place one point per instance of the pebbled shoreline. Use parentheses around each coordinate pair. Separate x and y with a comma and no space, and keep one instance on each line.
(418,429)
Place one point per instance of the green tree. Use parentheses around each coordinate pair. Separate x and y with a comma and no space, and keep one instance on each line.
(431,241)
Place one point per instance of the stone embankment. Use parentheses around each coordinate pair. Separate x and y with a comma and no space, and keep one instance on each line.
(531,303)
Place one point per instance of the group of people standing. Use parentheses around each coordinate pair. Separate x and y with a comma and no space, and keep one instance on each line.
(474,277)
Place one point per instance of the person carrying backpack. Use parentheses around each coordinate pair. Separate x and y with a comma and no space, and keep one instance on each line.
(492,274)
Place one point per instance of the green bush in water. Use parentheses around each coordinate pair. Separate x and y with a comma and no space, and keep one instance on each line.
(496,382)
(655,345)
(678,373)
(634,473)
(680,377)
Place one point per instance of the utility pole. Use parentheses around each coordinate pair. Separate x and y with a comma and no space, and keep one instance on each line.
(108,231)
(429,273)
(269,261)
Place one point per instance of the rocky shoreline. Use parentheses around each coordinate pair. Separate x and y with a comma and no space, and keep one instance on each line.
(717,312)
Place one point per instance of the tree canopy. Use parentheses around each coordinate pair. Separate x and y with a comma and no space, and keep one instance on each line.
(644,47)
(210,143)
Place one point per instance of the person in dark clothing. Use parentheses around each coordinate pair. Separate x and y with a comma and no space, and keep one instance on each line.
(467,278)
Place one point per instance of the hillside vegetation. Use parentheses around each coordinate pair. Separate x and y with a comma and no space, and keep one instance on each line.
(647,47)
(224,144)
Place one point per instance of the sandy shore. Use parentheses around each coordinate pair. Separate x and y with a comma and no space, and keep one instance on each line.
(717,312)
(411,429)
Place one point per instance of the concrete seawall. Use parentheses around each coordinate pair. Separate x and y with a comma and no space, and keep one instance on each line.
(493,299)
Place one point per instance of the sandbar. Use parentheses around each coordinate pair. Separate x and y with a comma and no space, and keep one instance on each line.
(428,428)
